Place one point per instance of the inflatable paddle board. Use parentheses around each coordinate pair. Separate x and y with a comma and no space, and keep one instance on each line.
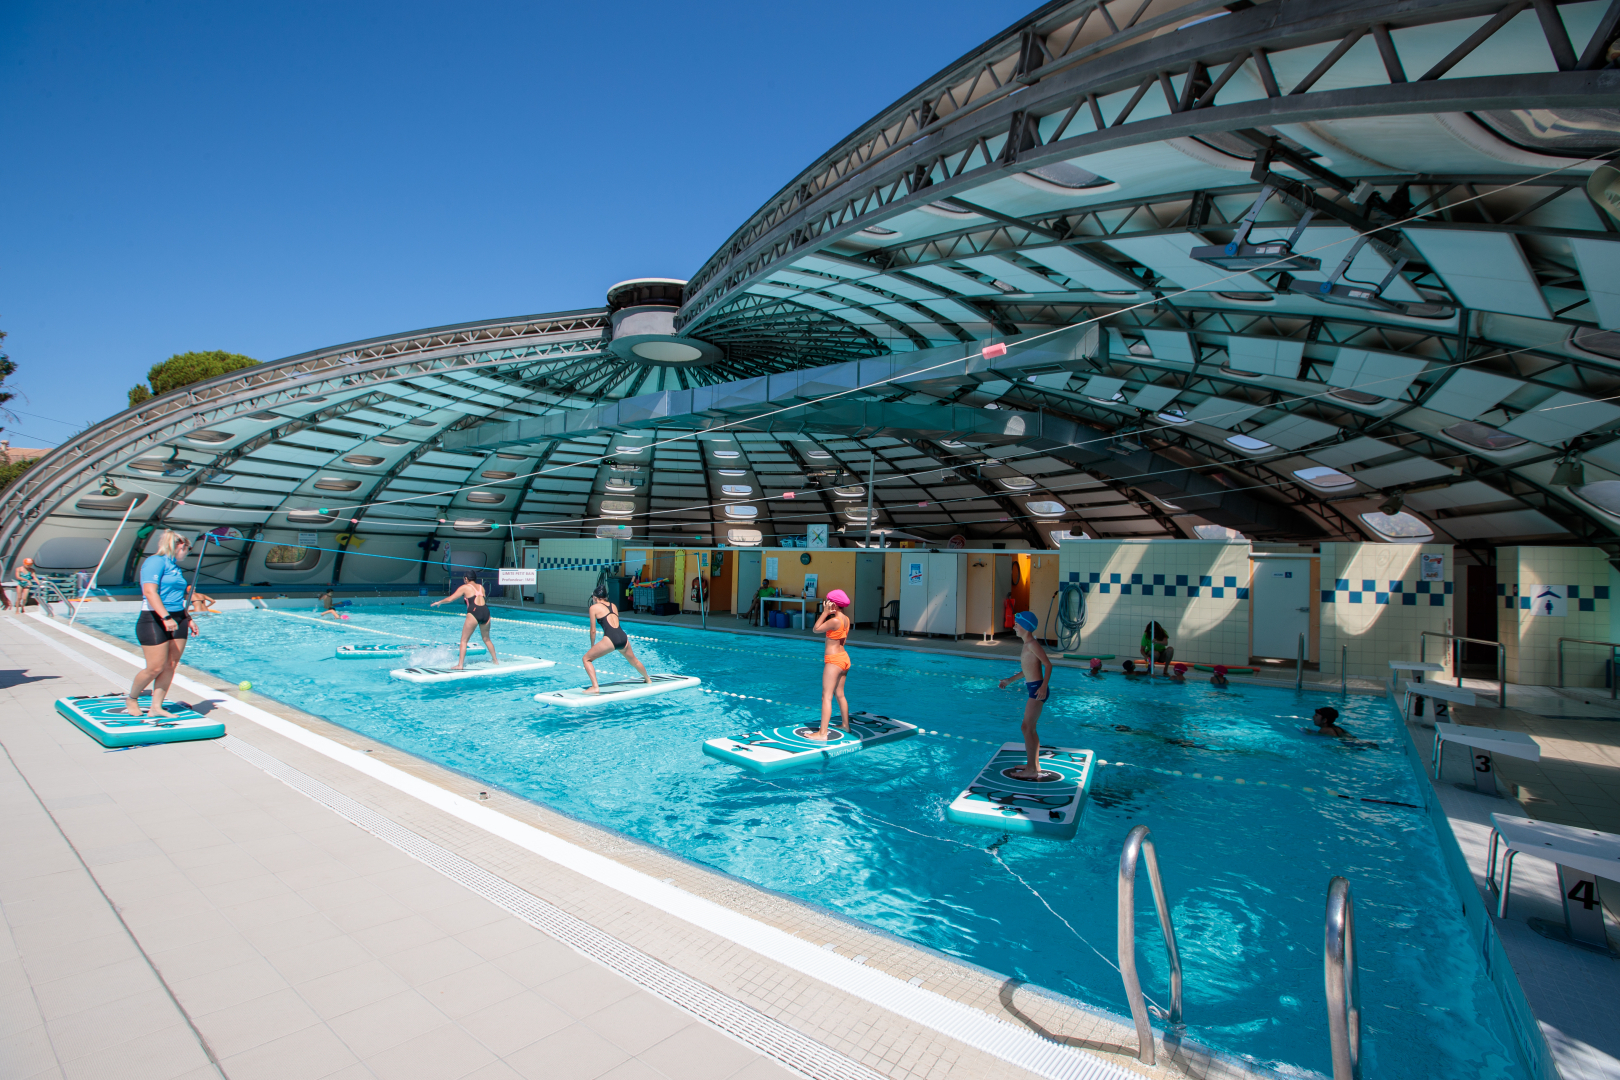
(579,697)
(1045,807)
(391,650)
(483,669)
(773,749)
(101,718)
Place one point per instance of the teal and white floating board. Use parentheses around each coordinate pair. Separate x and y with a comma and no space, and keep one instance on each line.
(580,697)
(391,650)
(1045,807)
(103,718)
(774,749)
(483,669)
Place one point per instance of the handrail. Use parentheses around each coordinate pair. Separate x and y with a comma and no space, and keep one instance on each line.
(1140,842)
(1614,683)
(1456,659)
(1299,665)
(1343,981)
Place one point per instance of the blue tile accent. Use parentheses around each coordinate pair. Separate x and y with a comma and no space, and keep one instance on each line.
(1147,590)
(1507,602)
(1205,579)
(1381,598)
(1355,598)
(1600,592)
(1125,590)
(1074,575)
(1095,578)
(1104,587)
(1136,579)
(1192,590)
(1574,592)
(1396,586)
(1114,578)
(1342,584)
(1217,592)
(1423,586)
(1231,583)
(1368,585)
(1448,588)
(1158,579)
(1181,579)
(1243,594)
(1524,603)
(1587,605)
(1169,590)
(1501,588)
(1437,600)
(1085,587)
(1327,596)
(1408,599)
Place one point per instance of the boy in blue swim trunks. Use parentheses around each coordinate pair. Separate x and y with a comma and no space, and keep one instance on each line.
(1035,668)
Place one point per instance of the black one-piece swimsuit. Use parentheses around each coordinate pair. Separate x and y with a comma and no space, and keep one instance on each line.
(477,609)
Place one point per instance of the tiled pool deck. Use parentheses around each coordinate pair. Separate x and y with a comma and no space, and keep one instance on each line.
(178,911)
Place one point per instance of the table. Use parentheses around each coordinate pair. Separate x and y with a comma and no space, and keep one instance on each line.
(1581,855)
(1484,741)
(801,601)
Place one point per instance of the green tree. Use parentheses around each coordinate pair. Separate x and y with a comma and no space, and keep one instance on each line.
(183,369)
(9,474)
(6,368)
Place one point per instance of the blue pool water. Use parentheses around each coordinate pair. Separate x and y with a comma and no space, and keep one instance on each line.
(1245,811)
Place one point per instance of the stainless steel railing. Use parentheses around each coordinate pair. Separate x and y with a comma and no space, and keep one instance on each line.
(1299,665)
(1140,843)
(1456,658)
(1343,981)
(1614,677)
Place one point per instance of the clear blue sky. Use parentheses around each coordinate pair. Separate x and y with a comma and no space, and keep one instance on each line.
(272,178)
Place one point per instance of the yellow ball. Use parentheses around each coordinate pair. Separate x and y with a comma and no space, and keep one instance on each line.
(244,685)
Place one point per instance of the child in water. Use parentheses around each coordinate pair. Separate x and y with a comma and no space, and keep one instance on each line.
(1218,678)
(1095,670)
(1035,668)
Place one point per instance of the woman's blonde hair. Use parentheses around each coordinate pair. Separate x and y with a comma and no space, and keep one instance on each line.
(169,541)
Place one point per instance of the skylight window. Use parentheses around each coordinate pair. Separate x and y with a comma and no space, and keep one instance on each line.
(1402,528)
(737,490)
(1603,494)
(364,461)
(1324,478)
(1045,508)
(208,436)
(1244,442)
(733,472)
(1482,436)
(389,440)
(726,453)
(1016,483)
(487,474)
(744,537)
(618,507)
(1069,176)
(1062,536)
(486,498)
(1217,532)
(850,492)
(879,231)
(742,510)
(1174,416)
(613,532)
(310,517)
(335,483)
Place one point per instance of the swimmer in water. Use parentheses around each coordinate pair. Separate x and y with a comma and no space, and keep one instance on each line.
(835,663)
(328,608)
(1095,669)
(1035,668)
(1326,721)
(1129,667)
(613,637)
(1178,672)
(1218,676)
(472,594)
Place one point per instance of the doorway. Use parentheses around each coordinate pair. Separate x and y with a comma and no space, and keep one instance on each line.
(748,579)
(1484,607)
(867,603)
(1281,589)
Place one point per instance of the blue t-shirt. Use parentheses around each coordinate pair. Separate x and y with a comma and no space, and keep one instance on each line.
(165,573)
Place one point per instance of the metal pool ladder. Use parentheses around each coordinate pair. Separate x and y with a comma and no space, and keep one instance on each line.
(1343,981)
(1140,842)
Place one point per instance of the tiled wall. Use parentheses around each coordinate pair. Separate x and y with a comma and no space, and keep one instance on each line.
(1373,599)
(566,570)
(1532,638)
(1199,590)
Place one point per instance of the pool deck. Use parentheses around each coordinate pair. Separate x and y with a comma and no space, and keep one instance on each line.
(1570,991)
(296,901)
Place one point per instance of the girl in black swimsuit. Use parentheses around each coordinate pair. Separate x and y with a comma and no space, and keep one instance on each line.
(472,594)
(613,637)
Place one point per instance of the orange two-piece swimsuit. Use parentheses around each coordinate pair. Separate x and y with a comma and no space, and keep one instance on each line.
(841,658)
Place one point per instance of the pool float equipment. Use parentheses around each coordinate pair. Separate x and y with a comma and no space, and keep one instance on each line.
(483,669)
(775,749)
(389,650)
(103,719)
(580,697)
(1045,807)
(1229,669)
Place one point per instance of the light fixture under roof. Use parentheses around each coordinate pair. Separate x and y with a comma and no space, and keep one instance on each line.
(1569,472)
(1272,255)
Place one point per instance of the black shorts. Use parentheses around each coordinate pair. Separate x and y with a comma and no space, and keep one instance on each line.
(149,629)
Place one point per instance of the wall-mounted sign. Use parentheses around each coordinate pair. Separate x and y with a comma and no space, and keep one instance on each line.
(309,539)
(514,576)
(1549,600)
(770,568)
(1434,567)
(914,573)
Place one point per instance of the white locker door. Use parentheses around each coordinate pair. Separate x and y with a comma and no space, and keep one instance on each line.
(1282,607)
(914,602)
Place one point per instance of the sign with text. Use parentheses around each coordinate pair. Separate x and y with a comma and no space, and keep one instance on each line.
(1434,567)
(513,576)
(309,539)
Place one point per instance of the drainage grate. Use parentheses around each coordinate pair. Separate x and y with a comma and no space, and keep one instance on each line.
(747,1025)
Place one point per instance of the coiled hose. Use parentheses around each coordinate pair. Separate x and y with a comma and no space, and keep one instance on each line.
(1070,601)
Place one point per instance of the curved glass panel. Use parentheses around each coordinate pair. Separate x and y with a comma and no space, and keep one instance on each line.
(1320,476)
(1603,494)
(740,490)
(1045,508)
(726,453)
(1217,532)
(742,510)
(1244,442)
(366,461)
(618,507)
(1482,436)
(488,474)
(486,498)
(1016,483)
(744,537)
(1401,527)
(335,483)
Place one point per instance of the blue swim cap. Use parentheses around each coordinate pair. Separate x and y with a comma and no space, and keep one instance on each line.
(1027,620)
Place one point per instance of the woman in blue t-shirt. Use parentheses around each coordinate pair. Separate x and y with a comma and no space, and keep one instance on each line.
(164,624)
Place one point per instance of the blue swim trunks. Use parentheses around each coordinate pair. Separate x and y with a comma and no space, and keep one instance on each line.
(1033,687)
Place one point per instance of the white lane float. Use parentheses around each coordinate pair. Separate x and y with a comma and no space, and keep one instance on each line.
(483,669)
(580,697)
(391,650)
(1050,806)
(787,746)
(103,718)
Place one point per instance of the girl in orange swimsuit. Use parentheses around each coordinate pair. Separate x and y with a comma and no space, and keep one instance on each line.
(835,665)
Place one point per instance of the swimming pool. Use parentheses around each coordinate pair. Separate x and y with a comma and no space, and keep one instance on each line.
(1246,811)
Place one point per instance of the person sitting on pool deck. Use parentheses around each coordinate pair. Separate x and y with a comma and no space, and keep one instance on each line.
(1160,637)
(835,664)
(1035,668)
(613,637)
(472,594)
(1325,720)
(1218,678)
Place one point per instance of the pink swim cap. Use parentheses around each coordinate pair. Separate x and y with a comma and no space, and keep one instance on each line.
(839,597)
(1096,662)
(1179,668)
